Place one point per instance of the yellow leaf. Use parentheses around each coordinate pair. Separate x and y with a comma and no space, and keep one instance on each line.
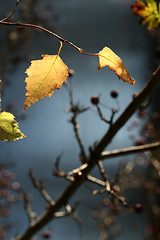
(108,58)
(9,129)
(44,76)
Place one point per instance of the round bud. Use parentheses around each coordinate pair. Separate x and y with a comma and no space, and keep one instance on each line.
(140,141)
(95,100)
(114,94)
(138,208)
(78,177)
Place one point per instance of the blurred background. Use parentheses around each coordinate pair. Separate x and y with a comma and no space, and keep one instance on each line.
(91,25)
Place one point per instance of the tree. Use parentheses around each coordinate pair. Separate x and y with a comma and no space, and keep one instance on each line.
(40,84)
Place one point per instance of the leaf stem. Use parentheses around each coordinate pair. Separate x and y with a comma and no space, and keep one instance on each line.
(48,31)
(41,28)
(6,18)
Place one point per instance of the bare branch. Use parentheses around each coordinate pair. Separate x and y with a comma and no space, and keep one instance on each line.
(112,192)
(104,175)
(32,216)
(75,109)
(128,112)
(130,150)
(43,29)
(114,111)
(40,187)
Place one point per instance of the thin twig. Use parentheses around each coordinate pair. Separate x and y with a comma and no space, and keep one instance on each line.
(96,180)
(40,187)
(110,191)
(31,215)
(101,115)
(114,111)
(6,18)
(43,29)
(75,109)
(69,175)
(104,175)
(130,150)
(82,167)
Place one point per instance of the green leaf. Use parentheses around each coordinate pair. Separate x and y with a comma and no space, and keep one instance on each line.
(9,130)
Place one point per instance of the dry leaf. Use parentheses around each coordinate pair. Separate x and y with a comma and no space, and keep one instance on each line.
(108,58)
(44,76)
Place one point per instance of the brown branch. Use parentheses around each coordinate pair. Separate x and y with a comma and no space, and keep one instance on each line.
(31,215)
(128,112)
(6,18)
(94,156)
(75,109)
(112,192)
(130,150)
(40,187)
(114,111)
(43,29)
(103,174)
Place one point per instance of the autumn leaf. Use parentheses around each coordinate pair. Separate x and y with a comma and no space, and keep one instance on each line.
(44,76)
(108,58)
(149,12)
(9,130)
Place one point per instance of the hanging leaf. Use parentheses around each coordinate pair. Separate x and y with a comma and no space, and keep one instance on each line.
(108,58)
(44,76)
(9,130)
(149,12)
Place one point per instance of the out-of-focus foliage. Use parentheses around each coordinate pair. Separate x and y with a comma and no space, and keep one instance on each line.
(148,12)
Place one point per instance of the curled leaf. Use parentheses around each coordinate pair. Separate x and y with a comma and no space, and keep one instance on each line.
(9,130)
(44,76)
(108,58)
(149,12)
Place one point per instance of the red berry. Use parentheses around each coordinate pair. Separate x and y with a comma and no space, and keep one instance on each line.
(114,94)
(138,208)
(78,177)
(140,141)
(47,234)
(95,100)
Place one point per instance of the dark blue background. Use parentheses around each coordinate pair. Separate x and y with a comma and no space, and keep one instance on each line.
(91,25)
